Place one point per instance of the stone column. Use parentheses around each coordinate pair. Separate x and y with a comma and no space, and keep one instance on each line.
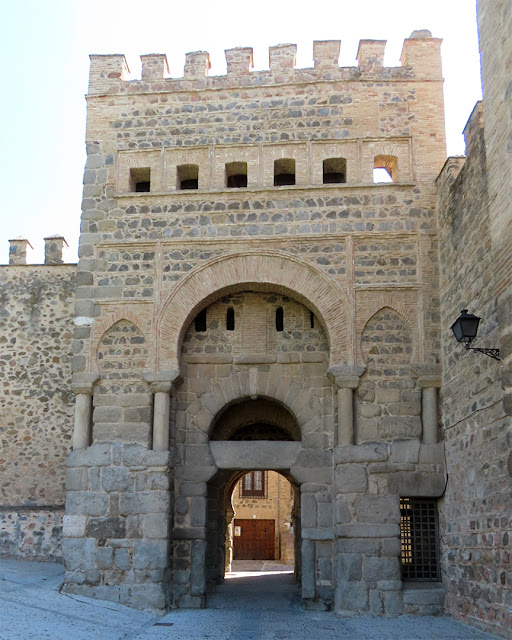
(83,386)
(429,381)
(161,385)
(346,378)
(228,557)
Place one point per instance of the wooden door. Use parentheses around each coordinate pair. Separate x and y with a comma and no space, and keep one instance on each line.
(256,540)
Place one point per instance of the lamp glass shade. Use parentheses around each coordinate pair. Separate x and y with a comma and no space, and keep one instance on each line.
(465,327)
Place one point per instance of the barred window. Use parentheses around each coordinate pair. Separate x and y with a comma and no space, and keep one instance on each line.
(253,485)
(419,535)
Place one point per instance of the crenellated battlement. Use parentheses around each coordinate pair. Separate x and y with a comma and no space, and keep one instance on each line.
(420,60)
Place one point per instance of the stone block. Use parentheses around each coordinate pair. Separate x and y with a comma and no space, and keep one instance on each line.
(77,479)
(400,427)
(158,480)
(387,396)
(393,603)
(325,514)
(314,475)
(405,451)
(368,452)
(349,566)
(377,509)
(87,503)
(353,545)
(375,569)
(369,410)
(137,455)
(308,510)
(117,479)
(342,512)
(150,554)
(79,554)
(351,478)
(156,525)
(351,596)
(73,526)
(391,547)
(134,527)
(104,557)
(197,572)
(417,484)
(193,489)
(106,414)
(424,595)
(317,533)
(432,453)
(198,509)
(97,455)
(122,559)
(144,502)
(367,530)
(106,528)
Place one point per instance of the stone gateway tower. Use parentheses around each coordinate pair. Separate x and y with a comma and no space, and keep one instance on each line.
(251,295)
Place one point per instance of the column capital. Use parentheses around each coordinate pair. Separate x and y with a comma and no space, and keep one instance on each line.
(163,381)
(84,383)
(346,376)
(427,376)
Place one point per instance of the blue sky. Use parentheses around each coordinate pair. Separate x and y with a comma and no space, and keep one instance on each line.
(44,53)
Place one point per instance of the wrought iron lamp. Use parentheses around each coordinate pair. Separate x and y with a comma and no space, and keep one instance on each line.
(465,329)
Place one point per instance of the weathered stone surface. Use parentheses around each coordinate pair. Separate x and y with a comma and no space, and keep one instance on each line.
(370,452)
(106,528)
(150,555)
(117,479)
(86,503)
(377,509)
(351,478)
(74,526)
(78,553)
(375,569)
(144,502)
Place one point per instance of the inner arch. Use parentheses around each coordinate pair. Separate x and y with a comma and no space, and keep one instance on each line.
(255,419)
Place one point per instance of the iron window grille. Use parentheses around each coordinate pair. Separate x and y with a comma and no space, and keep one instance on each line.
(419,536)
(253,485)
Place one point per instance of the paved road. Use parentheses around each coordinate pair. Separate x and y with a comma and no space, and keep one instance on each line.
(250,605)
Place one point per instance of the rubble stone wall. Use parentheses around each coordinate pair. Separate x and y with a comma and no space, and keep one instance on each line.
(476,510)
(36,417)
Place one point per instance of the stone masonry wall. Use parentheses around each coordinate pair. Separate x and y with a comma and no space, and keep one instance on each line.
(36,417)
(476,510)
(154,255)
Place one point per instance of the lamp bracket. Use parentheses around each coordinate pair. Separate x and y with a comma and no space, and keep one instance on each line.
(492,353)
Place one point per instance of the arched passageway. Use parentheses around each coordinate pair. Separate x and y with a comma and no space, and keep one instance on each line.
(245,536)
(253,514)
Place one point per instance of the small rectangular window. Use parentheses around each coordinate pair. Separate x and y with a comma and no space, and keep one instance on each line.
(200,321)
(419,537)
(187,176)
(279,319)
(385,169)
(253,485)
(230,319)
(236,175)
(334,170)
(140,180)
(284,172)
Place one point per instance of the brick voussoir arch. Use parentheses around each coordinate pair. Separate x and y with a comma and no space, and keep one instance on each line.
(258,271)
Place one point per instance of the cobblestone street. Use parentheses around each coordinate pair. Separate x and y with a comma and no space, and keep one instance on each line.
(256,602)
